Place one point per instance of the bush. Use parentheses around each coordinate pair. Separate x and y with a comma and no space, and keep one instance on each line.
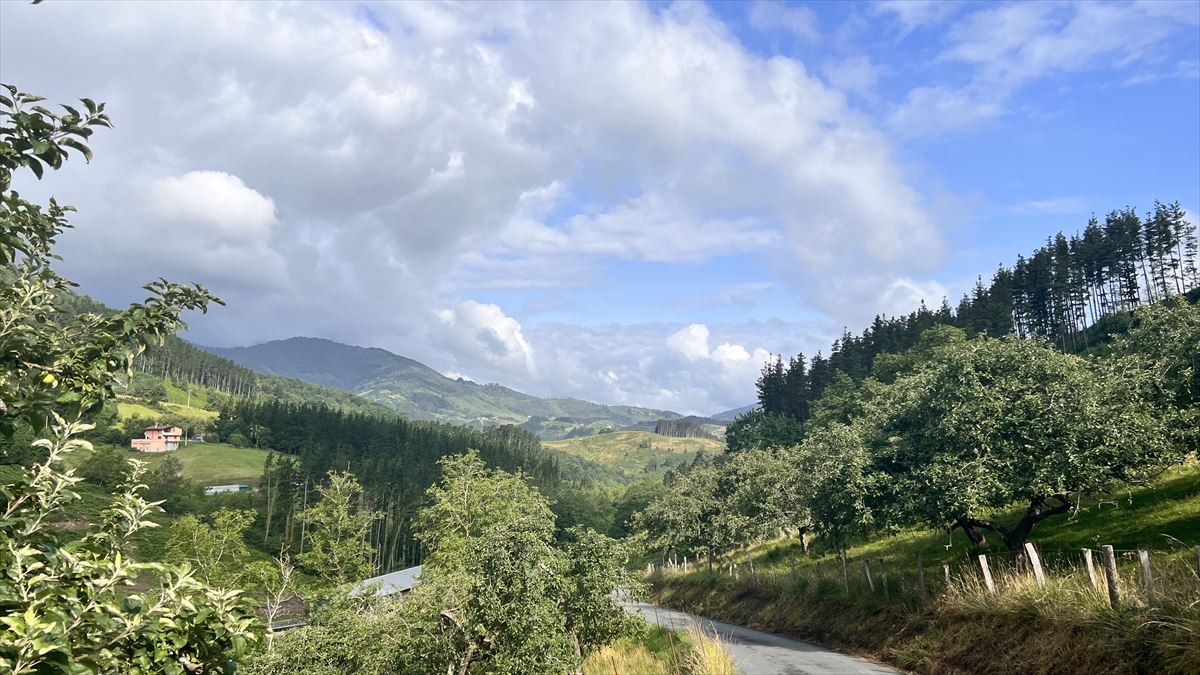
(107,467)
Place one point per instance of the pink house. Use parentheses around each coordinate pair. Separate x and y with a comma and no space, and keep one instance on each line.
(158,439)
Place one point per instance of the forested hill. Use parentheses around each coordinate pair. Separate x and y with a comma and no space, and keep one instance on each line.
(183,363)
(422,393)
(1076,292)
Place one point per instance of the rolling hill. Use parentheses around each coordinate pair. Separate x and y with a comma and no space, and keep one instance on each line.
(636,454)
(729,415)
(420,392)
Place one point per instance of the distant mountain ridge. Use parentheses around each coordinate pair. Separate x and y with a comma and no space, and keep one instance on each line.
(420,392)
(730,415)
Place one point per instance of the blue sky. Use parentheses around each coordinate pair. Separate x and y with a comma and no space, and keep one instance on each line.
(628,203)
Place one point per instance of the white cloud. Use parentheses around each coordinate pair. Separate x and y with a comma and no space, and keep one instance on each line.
(913,14)
(930,111)
(745,294)
(330,177)
(483,334)
(1009,45)
(214,201)
(667,366)
(691,341)
(1052,205)
(853,74)
(768,15)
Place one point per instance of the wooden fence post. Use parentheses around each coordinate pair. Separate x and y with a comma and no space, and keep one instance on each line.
(921,575)
(946,571)
(987,574)
(1110,571)
(883,577)
(1198,562)
(870,581)
(1091,568)
(753,574)
(1147,577)
(1036,562)
(846,567)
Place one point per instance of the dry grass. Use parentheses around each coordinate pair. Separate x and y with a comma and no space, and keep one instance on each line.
(1066,626)
(708,655)
(661,652)
(625,657)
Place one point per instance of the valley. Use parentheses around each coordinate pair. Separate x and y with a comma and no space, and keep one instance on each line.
(419,392)
(754,338)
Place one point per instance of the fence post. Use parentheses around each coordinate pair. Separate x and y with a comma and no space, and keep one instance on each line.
(846,568)
(987,574)
(1147,577)
(753,574)
(921,575)
(1110,571)
(883,577)
(870,581)
(946,571)
(1091,567)
(1036,562)
(1198,562)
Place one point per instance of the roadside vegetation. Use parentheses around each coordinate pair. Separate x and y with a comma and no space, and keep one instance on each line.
(955,448)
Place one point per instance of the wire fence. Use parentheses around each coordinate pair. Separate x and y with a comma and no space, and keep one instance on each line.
(1162,577)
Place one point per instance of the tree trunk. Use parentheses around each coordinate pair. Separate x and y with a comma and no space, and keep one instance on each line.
(971,529)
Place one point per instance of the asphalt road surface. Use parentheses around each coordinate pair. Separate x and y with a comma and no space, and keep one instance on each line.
(758,653)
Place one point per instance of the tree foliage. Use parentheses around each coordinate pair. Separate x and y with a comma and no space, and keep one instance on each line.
(496,593)
(955,433)
(997,421)
(66,601)
(214,546)
(338,549)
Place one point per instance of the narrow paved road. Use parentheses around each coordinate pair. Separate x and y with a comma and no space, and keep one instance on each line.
(758,653)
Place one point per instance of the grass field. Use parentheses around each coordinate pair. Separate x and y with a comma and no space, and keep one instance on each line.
(175,407)
(1158,517)
(198,397)
(634,454)
(1065,626)
(190,413)
(126,410)
(215,463)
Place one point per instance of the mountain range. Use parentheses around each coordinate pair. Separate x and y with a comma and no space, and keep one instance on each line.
(420,392)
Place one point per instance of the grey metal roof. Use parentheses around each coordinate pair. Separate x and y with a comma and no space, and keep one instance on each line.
(400,581)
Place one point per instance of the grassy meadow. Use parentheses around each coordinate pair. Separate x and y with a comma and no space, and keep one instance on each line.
(214,463)
(633,454)
(1065,626)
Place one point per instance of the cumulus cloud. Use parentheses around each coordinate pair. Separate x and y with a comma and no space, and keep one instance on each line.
(483,335)
(218,204)
(337,176)
(669,366)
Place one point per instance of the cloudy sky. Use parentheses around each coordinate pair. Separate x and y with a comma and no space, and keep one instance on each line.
(627,203)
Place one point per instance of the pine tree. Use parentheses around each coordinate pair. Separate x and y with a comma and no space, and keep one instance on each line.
(796,389)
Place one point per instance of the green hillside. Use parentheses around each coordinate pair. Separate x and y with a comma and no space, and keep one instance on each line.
(636,454)
(420,392)
(214,463)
